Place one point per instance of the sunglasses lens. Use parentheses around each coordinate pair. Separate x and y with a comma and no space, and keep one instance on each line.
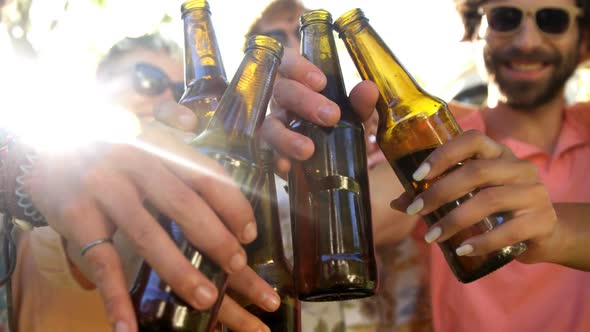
(504,19)
(553,20)
(149,80)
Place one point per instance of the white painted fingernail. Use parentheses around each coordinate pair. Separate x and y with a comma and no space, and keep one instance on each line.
(465,249)
(421,172)
(433,234)
(415,207)
(121,326)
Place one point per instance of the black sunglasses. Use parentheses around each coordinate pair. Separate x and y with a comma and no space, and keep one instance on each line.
(282,36)
(150,80)
(550,19)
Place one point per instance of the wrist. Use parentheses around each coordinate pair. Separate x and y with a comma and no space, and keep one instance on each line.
(16,166)
(560,244)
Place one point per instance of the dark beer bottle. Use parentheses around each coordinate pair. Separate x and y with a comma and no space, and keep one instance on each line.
(329,193)
(204,78)
(229,139)
(412,123)
(157,307)
(267,258)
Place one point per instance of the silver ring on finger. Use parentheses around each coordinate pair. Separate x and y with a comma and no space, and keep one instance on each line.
(94,243)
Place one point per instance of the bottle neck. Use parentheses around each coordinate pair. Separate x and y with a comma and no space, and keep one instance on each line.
(268,246)
(201,51)
(319,47)
(243,106)
(400,97)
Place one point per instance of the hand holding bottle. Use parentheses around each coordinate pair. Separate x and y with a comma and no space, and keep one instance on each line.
(503,183)
(88,193)
(297,92)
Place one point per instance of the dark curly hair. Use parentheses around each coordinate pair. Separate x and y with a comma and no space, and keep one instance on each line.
(275,10)
(468,10)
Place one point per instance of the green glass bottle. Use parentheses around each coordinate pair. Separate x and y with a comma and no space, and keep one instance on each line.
(412,123)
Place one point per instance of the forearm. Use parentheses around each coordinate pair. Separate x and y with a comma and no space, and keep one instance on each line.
(572,234)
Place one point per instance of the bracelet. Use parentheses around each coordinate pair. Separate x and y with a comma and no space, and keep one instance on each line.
(16,163)
(33,216)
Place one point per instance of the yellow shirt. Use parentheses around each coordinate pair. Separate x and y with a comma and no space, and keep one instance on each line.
(46,297)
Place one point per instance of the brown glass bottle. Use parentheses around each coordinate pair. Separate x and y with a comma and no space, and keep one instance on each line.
(229,139)
(329,193)
(157,307)
(205,79)
(412,123)
(267,258)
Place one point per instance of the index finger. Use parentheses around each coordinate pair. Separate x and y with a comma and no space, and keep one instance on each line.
(294,66)
(209,179)
(470,144)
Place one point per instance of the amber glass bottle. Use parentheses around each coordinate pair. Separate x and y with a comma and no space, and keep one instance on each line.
(204,77)
(267,258)
(230,139)
(412,123)
(329,193)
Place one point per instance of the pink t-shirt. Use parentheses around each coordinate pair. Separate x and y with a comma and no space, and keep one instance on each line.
(521,297)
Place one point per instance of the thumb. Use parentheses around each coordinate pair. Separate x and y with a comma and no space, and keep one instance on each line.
(176,116)
(402,202)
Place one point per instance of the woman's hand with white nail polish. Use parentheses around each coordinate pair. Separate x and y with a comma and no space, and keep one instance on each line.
(495,181)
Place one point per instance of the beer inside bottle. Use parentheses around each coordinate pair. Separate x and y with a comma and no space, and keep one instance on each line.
(412,123)
(205,79)
(329,193)
(158,308)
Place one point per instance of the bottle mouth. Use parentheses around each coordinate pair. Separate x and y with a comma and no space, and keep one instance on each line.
(347,18)
(191,5)
(267,43)
(315,16)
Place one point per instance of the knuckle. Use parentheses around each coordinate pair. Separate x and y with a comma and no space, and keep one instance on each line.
(142,239)
(93,177)
(180,201)
(101,267)
(451,223)
(279,90)
(476,171)
(531,169)
(541,194)
(113,303)
(72,211)
(213,177)
(517,234)
(492,198)
(477,137)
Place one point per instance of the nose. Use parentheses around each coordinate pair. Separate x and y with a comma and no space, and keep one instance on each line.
(529,37)
(293,40)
